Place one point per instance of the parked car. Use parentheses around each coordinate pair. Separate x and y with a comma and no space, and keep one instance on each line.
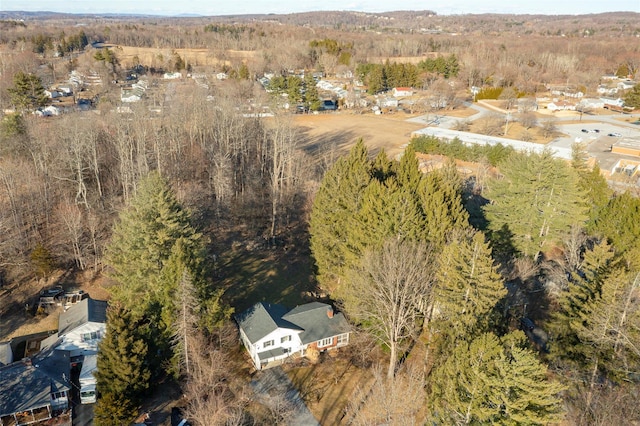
(527,324)
(329,105)
(52,292)
(615,135)
(177,418)
(585,131)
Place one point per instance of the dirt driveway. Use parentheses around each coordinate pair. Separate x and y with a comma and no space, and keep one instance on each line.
(273,387)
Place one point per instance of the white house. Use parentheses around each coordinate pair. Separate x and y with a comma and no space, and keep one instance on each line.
(172,75)
(402,91)
(616,102)
(626,84)
(591,103)
(272,333)
(561,106)
(82,326)
(388,102)
(606,90)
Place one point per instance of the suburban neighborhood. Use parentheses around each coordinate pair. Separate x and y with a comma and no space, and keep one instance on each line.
(319,218)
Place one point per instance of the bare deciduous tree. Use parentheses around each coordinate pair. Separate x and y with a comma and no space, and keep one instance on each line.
(395,401)
(390,291)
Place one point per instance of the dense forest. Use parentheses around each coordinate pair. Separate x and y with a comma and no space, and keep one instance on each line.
(453,279)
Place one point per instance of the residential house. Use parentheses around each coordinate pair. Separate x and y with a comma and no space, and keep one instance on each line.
(271,332)
(593,103)
(613,102)
(561,106)
(402,91)
(606,90)
(626,84)
(388,102)
(80,328)
(34,390)
(172,75)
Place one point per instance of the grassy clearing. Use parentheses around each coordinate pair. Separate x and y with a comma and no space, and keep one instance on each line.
(270,275)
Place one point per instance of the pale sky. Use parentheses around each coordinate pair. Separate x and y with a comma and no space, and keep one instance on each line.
(236,7)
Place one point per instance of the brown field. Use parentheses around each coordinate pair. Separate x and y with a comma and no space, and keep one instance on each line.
(342,129)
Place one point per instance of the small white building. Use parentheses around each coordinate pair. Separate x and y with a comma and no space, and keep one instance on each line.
(616,102)
(594,103)
(172,75)
(402,91)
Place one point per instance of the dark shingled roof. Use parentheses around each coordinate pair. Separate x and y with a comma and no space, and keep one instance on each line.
(87,310)
(311,318)
(262,319)
(25,387)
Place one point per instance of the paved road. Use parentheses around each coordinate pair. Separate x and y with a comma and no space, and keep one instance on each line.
(271,384)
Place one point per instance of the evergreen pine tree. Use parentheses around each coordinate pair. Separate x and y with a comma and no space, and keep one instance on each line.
(469,286)
(122,375)
(440,197)
(487,381)
(632,98)
(537,199)
(619,222)
(608,326)
(584,285)
(338,199)
(27,92)
(143,240)
(386,211)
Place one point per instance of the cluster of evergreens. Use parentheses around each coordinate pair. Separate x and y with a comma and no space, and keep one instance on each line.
(382,77)
(455,148)
(60,45)
(298,90)
(154,254)
(382,231)
(340,50)
(445,67)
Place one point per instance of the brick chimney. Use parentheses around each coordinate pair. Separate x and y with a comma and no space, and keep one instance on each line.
(330,312)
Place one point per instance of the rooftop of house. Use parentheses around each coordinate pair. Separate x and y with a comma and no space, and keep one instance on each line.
(87,310)
(28,384)
(315,320)
(263,318)
(318,321)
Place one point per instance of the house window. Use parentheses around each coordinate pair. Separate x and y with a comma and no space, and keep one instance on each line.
(285,339)
(325,342)
(58,395)
(268,343)
(343,339)
(90,336)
